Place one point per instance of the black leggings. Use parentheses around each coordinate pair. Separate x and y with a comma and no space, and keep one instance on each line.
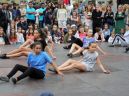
(76,41)
(27,71)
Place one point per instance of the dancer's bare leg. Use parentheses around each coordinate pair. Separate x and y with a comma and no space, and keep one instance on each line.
(66,63)
(28,42)
(14,51)
(19,54)
(22,47)
(74,46)
(72,64)
(19,50)
(78,51)
(49,52)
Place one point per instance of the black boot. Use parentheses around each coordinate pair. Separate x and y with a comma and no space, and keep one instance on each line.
(127,49)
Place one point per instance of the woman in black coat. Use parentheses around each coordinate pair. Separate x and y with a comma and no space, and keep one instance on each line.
(97,19)
(109,17)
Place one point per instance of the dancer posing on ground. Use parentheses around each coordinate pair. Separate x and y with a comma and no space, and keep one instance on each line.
(25,48)
(90,58)
(37,65)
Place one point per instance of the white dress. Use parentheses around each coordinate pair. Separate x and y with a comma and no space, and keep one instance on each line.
(88,21)
(62,18)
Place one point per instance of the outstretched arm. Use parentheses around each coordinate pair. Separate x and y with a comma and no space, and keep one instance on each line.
(55,67)
(50,52)
(101,66)
(100,49)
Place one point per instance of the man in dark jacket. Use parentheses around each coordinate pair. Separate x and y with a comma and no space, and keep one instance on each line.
(4,22)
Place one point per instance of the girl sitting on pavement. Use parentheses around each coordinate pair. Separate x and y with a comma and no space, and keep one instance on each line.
(106,31)
(37,65)
(30,34)
(12,37)
(25,48)
(111,38)
(48,38)
(2,37)
(99,36)
(88,39)
(20,37)
(122,39)
(90,58)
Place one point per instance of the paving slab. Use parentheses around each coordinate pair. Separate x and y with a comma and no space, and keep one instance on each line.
(74,83)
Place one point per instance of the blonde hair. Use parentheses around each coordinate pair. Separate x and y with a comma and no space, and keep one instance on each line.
(103,7)
(113,32)
(90,31)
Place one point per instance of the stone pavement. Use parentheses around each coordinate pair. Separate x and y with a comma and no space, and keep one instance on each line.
(74,83)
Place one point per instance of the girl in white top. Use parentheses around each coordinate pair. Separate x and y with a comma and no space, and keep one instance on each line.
(88,16)
(90,58)
(23,10)
(111,38)
(48,38)
(2,40)
(99,36)
(122,39)
(20,37)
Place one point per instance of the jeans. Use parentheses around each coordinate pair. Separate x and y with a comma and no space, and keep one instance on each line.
(41,24)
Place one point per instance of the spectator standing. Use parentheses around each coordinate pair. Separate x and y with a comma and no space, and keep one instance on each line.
(48,17)
(30,14)
(88,16)
(120,20)
(16,12)
(109,18)
(41,13)
(22,10)
(74,18)
(62,16)
(97,19)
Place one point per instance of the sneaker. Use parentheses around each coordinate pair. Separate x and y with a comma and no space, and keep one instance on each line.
(6,79)
(70,55)
(52,70)
(3,56)
(111,45)
(66,47)
(81,53)
(14,80)
(126,50)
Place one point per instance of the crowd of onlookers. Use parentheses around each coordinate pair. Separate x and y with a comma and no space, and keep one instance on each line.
(35,26)
(62,23)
